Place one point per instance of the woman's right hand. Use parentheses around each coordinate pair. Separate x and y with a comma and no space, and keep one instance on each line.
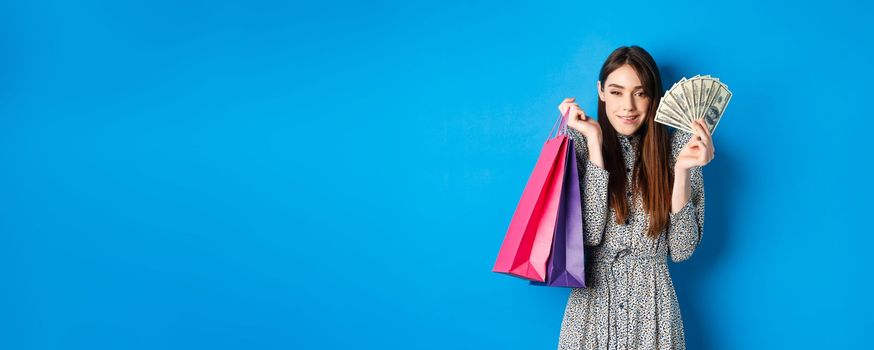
(579,121)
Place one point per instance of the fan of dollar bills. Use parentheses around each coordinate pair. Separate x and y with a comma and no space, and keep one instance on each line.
(701,97)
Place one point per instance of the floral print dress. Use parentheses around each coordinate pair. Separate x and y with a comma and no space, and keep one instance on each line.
(630,302)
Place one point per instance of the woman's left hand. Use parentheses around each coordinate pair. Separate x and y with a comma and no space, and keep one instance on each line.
(698,151)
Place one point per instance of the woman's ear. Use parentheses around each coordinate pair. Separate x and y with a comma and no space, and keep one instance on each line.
(600,92)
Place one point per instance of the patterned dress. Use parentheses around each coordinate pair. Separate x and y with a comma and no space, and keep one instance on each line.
(630,302)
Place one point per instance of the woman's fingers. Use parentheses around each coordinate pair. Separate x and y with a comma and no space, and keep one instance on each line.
(567,105)
(578,113)
(708,138)
(702,134)
(706,133)
(699,130)
(701,152)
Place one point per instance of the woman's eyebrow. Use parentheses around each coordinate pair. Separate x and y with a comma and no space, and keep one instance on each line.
(622,87)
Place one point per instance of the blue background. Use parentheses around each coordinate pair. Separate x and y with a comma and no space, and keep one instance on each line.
(308,175)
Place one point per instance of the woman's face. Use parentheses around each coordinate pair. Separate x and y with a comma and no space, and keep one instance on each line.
(624,99)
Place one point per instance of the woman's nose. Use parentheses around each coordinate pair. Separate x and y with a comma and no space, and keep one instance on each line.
(628,104)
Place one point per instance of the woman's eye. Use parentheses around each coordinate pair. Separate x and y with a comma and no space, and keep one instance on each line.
(616,93)
(641,94)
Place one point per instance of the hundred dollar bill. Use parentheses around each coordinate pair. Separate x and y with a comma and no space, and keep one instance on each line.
(717,108)
(670,107)
(700,97)
(696,94)
(706,90)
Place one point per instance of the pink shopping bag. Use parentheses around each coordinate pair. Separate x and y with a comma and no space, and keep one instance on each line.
(528,240)
(566,265)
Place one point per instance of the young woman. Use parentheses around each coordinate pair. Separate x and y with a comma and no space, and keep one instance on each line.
(643,200)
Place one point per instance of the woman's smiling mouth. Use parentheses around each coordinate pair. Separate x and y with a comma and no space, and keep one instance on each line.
(629,119)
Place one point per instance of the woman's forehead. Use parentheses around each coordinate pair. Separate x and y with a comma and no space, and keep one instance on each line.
(623,77)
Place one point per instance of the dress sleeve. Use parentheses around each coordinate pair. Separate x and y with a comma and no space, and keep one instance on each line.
(686,226)
(593,187)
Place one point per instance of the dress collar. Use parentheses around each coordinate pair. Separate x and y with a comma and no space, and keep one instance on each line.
(630,140)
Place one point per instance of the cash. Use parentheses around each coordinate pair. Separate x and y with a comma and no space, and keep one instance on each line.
(700,97)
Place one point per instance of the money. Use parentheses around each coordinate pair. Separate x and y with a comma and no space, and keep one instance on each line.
(700,97)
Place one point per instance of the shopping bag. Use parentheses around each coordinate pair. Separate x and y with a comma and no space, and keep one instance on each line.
(566,264)
(528,241)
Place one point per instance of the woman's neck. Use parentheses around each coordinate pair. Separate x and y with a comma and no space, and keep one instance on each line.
(628,137)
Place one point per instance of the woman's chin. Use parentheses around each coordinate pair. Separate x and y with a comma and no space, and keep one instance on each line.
(623,127)
(628,131)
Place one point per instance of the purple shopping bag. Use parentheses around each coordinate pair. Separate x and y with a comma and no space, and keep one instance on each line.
(566,263)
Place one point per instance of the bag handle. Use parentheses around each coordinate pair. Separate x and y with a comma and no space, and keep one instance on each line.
(561,122)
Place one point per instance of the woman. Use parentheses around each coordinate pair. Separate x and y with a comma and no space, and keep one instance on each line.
(641,204)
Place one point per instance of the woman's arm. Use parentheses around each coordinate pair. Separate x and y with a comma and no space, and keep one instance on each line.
(593,186)
(682,190)
(686,222)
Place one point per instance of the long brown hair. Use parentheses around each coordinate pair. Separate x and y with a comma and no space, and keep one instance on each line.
(652,177)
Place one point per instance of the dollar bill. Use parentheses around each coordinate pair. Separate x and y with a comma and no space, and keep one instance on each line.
(688,100)
(696,94)
(670,108)
(717,108)
(706,90)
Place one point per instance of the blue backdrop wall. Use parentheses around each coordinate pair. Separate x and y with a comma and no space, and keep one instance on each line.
(309,175)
